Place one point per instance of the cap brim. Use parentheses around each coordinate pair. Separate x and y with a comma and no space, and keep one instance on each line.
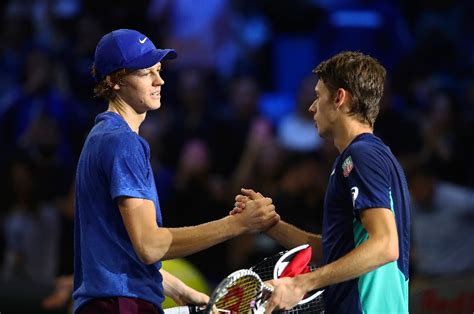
(150,59)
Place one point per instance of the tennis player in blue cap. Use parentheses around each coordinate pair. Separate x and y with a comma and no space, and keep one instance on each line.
(119,236)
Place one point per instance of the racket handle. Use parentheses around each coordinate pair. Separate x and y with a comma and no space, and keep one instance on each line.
(187,309)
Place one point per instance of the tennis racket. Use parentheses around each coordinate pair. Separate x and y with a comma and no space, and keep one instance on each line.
(241,292)
(273,266)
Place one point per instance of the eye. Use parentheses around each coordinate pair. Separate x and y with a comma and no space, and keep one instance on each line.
(156,72)
(143,73)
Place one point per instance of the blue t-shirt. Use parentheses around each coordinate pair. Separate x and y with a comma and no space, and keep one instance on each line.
(366,175)
(115,161)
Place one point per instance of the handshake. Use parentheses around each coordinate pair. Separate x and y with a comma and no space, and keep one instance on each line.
(254,212)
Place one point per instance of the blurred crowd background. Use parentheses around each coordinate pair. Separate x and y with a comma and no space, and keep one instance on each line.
(235,114)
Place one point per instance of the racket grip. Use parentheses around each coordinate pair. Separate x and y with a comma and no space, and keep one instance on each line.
(187,309)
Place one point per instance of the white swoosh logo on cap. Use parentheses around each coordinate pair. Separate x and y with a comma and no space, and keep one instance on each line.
(142,41)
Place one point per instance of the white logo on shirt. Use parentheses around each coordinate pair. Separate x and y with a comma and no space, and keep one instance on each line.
(333,171)
(355,193)
(142,41)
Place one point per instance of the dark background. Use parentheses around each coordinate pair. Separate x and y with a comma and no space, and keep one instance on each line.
(234,113)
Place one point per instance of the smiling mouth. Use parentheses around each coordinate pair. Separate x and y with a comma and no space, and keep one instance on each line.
(155,94)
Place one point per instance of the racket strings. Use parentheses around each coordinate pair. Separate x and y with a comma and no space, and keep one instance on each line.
(265,268)
(241,295)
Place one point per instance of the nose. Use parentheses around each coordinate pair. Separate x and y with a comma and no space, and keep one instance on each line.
(312,108)
(157,80)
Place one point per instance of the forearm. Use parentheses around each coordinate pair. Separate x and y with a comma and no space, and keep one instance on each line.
(181,293)
(172,286)
(290,236)
(370,255)
(153,243)
(169,243)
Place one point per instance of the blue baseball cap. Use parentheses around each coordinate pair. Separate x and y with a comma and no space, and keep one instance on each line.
(127,49)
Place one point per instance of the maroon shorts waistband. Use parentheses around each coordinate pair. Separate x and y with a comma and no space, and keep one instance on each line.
(118,305)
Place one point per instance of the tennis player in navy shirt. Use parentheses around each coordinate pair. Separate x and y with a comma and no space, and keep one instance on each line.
(364,246)
(120,239)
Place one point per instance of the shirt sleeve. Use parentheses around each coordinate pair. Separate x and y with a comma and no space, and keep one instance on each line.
(368,178)
(127,168)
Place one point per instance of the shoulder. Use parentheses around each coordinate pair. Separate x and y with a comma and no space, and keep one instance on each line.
(121,139)
(367,154)
(368,147)
(122,145)
(360,151)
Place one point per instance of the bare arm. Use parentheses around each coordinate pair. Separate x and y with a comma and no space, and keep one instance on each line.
(152,243)
(61,295)
(380,248)
(180,292)
(290,236)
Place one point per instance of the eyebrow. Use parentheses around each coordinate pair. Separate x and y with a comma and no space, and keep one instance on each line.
(158,67)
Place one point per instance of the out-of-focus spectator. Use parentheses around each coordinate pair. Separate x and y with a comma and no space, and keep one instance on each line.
(465,136)
(233,123)
(261,161)
(201,31)
(196,197)
(78,59)
(259,167)
(443,225)
(301,193)
(376,27)
(398,128)
(15,34)
(296,131)
(31,230)
(192,113)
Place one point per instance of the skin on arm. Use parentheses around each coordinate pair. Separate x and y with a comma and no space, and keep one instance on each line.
(153,243)
(284,233)
(290,236)
(61,295)
(380,248)
(181,293)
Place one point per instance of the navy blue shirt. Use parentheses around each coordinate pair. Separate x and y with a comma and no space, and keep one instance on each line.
(115,161)
(366,175)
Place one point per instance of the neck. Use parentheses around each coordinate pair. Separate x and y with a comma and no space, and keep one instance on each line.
(134,119)
(349,132)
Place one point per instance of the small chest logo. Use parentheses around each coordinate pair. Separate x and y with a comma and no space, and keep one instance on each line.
(347,166)
(355,193)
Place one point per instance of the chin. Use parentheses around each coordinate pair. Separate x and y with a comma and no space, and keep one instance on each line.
(155,105)
(322,133)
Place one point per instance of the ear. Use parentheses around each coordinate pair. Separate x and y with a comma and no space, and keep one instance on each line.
(340,99)
(111,83)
